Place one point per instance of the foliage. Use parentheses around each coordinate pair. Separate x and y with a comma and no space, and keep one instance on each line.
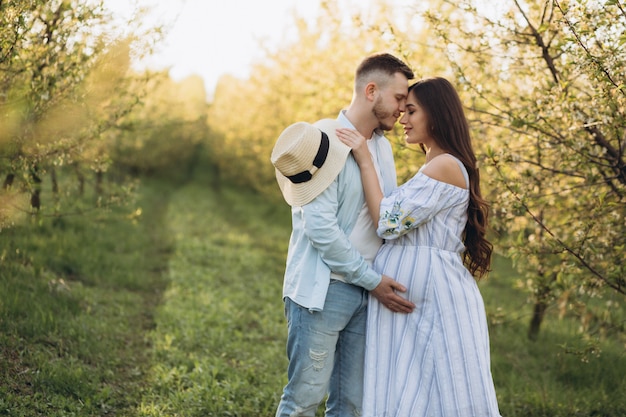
(166,130)
(63,82)
(545,84)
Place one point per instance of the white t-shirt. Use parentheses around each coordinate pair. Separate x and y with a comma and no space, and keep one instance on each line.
(363,236)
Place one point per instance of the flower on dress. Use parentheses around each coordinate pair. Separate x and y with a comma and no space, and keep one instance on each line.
(408,222)
(394,220)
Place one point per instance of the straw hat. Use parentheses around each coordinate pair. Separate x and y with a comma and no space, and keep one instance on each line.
(308,158)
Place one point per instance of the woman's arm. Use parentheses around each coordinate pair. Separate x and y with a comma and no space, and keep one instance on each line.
(369,177)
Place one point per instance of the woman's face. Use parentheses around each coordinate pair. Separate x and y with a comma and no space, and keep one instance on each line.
(415,122)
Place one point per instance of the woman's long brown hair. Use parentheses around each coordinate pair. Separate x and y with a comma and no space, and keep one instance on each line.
(450,130)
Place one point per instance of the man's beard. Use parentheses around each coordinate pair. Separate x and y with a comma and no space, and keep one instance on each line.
(381,115)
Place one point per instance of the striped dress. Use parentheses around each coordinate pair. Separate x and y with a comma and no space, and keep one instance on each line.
(435,361)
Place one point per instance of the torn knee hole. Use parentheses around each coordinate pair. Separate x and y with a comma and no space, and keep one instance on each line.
(319,359)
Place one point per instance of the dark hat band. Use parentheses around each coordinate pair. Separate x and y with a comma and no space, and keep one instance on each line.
(319,160)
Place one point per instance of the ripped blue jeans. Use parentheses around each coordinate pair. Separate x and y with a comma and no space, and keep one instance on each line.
(326,351)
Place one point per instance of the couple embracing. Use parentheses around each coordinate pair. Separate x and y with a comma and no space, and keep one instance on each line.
(383,312)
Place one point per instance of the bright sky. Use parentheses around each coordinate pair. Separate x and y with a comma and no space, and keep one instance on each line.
(212,37)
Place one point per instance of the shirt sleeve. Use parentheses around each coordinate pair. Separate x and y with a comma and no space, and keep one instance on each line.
(414,203)
(323,231)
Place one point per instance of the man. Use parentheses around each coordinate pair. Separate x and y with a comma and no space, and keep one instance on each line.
(333,243)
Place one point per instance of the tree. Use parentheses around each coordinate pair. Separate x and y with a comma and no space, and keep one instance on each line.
(61,88)
(546,85)
(163,134)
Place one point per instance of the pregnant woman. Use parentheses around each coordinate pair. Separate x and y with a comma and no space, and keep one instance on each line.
(435,361)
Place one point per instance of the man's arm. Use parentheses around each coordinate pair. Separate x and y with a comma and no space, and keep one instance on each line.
(321,227)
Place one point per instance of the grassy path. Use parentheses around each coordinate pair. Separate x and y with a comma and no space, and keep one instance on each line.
(219,344)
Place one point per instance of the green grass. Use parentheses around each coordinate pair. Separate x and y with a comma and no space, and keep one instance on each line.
(219,346)
(76,298)
(559,374)
(178,312)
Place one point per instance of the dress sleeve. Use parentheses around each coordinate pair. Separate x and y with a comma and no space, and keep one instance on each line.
(414,203)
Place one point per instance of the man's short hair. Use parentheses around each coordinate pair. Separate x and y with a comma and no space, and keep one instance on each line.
(384,64)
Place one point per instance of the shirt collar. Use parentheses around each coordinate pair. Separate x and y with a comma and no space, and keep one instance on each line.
(378,133)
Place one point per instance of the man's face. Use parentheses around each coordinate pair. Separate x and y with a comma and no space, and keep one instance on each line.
(390,102)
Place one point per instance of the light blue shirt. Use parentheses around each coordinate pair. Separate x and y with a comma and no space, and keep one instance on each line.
(320,241)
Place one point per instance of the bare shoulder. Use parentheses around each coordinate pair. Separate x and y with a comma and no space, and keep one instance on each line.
(446,169)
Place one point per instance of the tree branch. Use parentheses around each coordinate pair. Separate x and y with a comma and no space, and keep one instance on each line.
(545,49)
(617,163)
(617,287)
(591,57)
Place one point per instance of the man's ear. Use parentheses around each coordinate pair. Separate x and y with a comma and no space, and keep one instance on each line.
(370,91)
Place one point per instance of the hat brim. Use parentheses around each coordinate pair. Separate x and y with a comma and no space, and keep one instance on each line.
(303,193)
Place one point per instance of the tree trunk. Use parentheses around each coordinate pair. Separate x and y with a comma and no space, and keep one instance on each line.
(99,178)
(8,181)
(55,181)
(35,198)
(81,180)
(542,300)
(535,323)
(215,178)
